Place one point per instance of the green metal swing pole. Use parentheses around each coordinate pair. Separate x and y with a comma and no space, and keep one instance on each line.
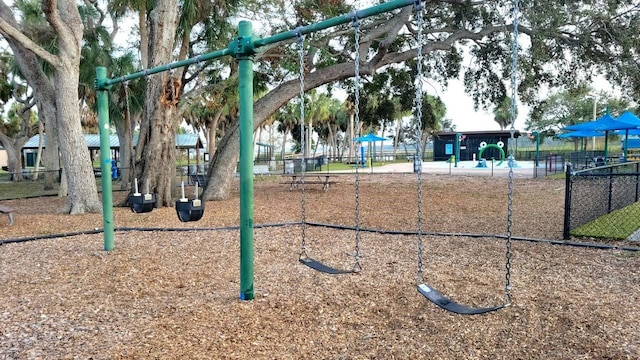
(245,93)
(105,161)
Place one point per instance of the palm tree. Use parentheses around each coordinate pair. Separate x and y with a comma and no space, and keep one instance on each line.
(502,113)
(398,115)
(349,108)
(287,118)
(335,121)
(433,112)
(318,112)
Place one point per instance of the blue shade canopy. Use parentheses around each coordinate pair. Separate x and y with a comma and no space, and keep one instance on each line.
(630,118)
(371,137)
(580,134)
(627,132)
(605,123)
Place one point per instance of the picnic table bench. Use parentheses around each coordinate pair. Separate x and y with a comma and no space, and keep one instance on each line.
(201,179)
(4,209)
(295,180)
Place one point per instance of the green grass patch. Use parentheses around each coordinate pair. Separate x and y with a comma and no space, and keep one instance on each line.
(26,188)
(560,175)
(618,224)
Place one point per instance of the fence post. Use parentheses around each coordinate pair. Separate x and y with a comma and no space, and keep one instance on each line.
(637,181)
(610,200)
(567,203)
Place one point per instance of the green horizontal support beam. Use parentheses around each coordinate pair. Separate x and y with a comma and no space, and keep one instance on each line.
(242,47)
(338,20)
(105,85)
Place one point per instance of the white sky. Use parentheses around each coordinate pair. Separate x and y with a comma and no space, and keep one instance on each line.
(465,117)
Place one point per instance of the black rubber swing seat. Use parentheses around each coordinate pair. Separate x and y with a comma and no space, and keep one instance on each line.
(316,265)
(142,203)
(190,210)
(437,298)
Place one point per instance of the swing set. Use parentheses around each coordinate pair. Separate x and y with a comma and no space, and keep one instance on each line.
(243,48)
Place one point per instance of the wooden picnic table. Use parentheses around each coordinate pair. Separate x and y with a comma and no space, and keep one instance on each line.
(296,180)
(4,209)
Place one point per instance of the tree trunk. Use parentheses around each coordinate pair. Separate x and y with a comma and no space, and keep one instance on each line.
(144,35)
(155,151)
(83,193)
(222,165)
(395,141)
(284,145)
(13,148)
(125,138)
(382,142)
(213,132)
(331,142)
(350,137)
(64,185)
(36,169)
(13,145)
(51,154)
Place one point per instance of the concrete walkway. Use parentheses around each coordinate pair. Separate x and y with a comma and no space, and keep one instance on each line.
(523,169)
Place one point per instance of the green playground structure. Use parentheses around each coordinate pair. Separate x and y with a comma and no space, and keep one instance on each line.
(243,48)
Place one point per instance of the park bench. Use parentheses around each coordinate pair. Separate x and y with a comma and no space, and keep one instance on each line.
(261,170)
(257,170)
(296,181)
(9,211)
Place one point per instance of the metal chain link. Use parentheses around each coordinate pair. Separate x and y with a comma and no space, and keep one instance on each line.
(514,88)
(356,95)
(172,101)
(126,101)
(303,246)
(128,118)
(417,7)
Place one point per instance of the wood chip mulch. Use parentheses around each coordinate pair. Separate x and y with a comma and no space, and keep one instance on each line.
(174,294)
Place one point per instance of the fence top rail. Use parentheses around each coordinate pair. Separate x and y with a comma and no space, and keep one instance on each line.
(610,170)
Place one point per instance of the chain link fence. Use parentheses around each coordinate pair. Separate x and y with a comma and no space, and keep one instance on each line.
(596,192)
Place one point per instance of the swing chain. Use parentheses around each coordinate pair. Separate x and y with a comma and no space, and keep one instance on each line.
(418,121)
(127,119)
(514,69)
(356,95)
(173,90)
(126,101)
(303,247)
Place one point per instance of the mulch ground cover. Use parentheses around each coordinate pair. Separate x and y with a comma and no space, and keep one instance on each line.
(175,294)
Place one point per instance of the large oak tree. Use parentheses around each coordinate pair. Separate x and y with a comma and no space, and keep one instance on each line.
(57,98)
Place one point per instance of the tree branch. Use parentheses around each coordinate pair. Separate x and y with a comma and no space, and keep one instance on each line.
(9,31)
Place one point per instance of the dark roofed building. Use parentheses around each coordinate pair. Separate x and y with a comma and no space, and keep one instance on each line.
(471,143)
(183,142)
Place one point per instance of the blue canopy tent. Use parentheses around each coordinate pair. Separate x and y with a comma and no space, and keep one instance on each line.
(369,138)
(628,117)
(606,123)
(580,134)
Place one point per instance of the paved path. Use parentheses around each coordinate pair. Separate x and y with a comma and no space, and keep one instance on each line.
(524,169)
